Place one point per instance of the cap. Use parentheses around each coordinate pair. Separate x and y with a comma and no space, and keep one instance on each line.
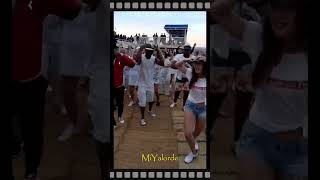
(200,58)
(186,45)
(148,47)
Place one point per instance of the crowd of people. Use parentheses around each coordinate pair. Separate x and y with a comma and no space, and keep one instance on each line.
(144,39)
(124,37)
(150,67)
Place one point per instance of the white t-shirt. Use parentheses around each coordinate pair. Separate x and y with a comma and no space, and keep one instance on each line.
(281,105)
(198,92)
(134,71)
(157,71)
(165,70)
(126,70)
(136,68)
(75,48)
(146,73)
(178,58)
(52,29)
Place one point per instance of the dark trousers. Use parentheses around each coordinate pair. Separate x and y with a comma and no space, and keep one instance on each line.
(242,108)
(119,96)
(28,106)
(216,100)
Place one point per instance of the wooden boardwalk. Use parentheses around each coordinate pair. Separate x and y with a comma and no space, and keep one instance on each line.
(157,137)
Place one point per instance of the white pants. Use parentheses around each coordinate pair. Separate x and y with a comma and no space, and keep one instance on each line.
(145,95)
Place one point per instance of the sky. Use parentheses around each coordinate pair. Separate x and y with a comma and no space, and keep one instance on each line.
(151,22)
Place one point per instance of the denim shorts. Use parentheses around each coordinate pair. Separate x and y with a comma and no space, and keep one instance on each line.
(199,112)
(289,158)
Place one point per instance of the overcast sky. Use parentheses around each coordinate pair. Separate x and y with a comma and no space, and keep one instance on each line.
(150,22)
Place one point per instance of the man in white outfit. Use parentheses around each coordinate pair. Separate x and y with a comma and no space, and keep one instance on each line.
(147,63)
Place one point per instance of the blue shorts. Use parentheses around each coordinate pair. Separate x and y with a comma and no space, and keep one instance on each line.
(199,112)
(287,158)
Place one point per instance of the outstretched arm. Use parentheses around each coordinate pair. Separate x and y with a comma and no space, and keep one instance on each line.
(194,46)
(127,61)
(160,58)
(138,55)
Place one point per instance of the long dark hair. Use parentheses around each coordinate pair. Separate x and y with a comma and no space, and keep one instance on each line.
(272,46)
(195,76)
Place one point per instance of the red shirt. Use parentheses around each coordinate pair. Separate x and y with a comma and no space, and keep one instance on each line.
(27,33)
(119,64)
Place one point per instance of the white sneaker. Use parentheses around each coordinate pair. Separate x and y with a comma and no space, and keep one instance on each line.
(49,89)
(67,133)
(130,104)
(64,111)
(121,120)
(189,158)
(152,114)
(143,122)
(173,105)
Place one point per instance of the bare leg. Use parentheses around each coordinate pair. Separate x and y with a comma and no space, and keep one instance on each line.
(200,126)
(70,97)
(156,88)
(189,123)
(132,93)
(142,112)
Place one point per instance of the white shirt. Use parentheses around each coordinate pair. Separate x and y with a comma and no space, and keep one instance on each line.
(178,58)
(136,68)
(157,70)
(198,91)
(280,105)
(75,38)
(52,29)
(146,73)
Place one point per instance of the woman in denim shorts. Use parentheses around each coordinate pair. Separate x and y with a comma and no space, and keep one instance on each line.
(273,144)
(195,107)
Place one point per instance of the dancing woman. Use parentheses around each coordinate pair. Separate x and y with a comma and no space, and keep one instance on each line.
(195,107)
(272,145)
